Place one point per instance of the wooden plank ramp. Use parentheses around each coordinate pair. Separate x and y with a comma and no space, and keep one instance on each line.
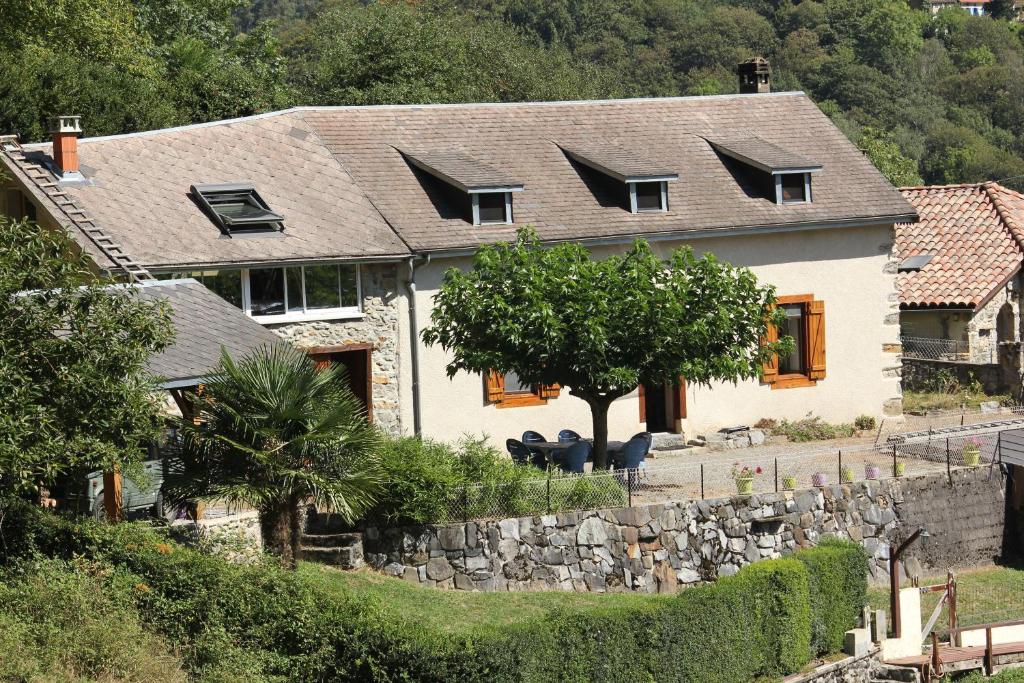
(953,658)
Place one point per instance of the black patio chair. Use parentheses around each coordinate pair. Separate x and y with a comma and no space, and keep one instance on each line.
(631,455)
(575,457)
(568,436)
(530,436)
(520,452)
(646,436)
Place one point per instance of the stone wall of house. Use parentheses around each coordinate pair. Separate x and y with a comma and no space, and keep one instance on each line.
(378,326)
(658,548)
(892,350)
(982,329)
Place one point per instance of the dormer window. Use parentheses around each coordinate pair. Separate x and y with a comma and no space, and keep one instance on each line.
(784,175)
(237,209)
(645,180)
(492,208)
(489,189)
(648,196)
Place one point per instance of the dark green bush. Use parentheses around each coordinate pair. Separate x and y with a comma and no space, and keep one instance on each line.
(838,573)
(263,623)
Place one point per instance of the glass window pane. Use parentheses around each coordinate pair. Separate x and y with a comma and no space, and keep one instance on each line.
(227,284)
(793,187)
(648,196)
(322,287)
(492,207)
(294,276)
(266,291)
(793,364)
(514,385)
(349,289)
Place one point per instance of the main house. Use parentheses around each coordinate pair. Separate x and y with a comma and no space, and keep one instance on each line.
(333,226)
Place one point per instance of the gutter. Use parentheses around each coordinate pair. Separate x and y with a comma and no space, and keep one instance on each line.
(414,339)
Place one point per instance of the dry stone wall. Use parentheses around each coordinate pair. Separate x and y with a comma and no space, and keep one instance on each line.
(658,548)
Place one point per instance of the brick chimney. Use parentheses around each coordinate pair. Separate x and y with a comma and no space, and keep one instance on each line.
(755,76)
(65,147)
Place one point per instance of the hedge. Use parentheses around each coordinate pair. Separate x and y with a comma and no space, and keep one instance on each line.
(263,623)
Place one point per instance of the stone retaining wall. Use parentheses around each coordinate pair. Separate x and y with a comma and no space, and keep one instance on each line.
(658,548)
(236,537)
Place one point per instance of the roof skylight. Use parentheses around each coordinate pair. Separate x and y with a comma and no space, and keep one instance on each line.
(237,209)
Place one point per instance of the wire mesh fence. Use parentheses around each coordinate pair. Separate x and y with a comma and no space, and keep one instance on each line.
(925,348)
(989,597)
(717,476)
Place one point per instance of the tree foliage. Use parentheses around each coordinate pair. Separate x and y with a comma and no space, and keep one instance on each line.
(601,326)
(73,391)
(277,433)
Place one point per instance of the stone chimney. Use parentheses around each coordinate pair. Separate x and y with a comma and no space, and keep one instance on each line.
(755,76)
(65,147)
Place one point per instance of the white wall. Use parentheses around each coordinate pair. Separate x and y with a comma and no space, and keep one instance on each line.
(848,269)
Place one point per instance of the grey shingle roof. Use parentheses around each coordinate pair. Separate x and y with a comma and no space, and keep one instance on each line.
(461,170)
(203,323)
(763,154)
(621,163)
(337,175)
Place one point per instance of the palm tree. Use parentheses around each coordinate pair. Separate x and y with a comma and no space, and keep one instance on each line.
(277,433)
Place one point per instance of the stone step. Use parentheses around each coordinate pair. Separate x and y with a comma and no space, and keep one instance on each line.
(664,441)
(331,540)
(349,557)
(320,523)
(887,673)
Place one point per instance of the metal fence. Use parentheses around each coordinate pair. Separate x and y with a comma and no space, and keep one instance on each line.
(926,348)
(907,454)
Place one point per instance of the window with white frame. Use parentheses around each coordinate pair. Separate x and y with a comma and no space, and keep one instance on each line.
(648,196)
(283,294)
(492,208)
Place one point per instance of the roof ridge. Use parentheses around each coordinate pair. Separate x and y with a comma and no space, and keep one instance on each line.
(951,186)
(1006,214)
(78,217)
(432,105)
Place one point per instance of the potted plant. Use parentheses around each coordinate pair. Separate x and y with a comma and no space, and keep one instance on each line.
(972,452)
(847,474)
(819,479)
(744,478)
(872,471)
(788,482)
(901,468)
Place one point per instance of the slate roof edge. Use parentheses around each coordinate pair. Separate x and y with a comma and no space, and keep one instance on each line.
(297,261)
(407,107)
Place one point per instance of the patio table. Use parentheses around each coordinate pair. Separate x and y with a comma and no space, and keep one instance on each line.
(551,449)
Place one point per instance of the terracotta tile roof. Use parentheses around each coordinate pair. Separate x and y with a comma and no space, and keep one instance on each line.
(345,190)
(974,233)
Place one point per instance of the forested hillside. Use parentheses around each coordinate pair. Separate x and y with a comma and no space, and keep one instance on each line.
(933,99)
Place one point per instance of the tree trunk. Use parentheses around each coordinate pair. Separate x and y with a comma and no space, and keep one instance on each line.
(296,523)
(276,525)
(599,413)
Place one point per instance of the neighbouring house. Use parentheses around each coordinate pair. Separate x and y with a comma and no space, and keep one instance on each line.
(976,7)
(960,284)
(333,226)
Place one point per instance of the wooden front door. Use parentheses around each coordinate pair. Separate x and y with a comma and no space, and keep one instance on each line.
(662,407)
(358,362)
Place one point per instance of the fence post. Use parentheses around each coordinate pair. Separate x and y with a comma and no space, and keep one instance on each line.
(465,502)
(702,496)
(949,464)
(630,473)
(776,475)
(840,479)
(894,460)
(549,491)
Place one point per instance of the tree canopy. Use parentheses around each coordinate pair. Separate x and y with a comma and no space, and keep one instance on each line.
(602,326)
(74,395)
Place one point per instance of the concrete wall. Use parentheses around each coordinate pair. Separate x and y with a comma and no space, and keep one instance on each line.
(658,548)
(850,270)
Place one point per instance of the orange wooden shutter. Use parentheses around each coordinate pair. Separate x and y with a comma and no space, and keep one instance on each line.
(643,403)
(550,390)
(679,404)
(770,370)
(494,386)
(816,338)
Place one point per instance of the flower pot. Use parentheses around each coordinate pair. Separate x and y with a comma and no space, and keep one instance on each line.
(872,471)
(745,485)
(847,475)
(788,482)
(819,479)
(972,457)
(901,468)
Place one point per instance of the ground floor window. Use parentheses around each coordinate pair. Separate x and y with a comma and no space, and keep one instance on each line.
(281,294)
(805,324)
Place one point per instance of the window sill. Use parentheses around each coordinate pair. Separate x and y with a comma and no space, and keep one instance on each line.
(793,382)
(332,314)
(521,401)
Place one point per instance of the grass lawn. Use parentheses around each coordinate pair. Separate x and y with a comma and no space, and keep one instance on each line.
(984,595)
(455,612)
(923,401)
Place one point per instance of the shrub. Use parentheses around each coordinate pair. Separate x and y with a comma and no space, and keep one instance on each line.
(813,428)
(865,422)
(838,590)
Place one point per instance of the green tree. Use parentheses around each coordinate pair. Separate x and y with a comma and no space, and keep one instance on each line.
(601,327)
(74,395)
(276,433)
(885,154)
